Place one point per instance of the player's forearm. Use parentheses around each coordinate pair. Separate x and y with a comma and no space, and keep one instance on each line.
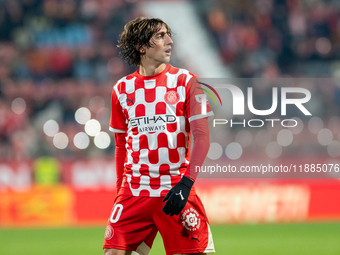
(200,132)
(120,156)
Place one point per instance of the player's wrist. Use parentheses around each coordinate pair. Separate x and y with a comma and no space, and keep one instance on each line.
(187,181)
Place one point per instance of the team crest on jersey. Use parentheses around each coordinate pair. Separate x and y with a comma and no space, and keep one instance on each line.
(190,219)
(171,97)
(201,98)
(109,232)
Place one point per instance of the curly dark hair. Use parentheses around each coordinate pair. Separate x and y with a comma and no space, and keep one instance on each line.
(137,33)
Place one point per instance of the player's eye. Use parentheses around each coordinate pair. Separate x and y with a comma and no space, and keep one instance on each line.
(160,36)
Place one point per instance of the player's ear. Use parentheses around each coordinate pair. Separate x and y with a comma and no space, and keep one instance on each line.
(141,49)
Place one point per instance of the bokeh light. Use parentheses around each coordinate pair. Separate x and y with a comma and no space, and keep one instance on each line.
(284,137)
(325,136)
(92,127)
(51,128)
(18,105)
(96,103)
(215,151)
(333,149)
(244,138)
(298,128)
(234,151)
(82,115)
(102,140)
(323,45)
(81,140)
(273,150)
(315,124)
(60,140)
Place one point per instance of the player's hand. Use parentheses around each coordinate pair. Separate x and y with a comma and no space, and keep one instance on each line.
(177,197)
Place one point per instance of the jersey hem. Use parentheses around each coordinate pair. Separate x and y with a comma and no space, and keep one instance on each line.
(201,116)
(126,191)
(117,130)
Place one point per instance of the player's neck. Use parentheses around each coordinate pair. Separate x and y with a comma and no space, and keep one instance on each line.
(148,70)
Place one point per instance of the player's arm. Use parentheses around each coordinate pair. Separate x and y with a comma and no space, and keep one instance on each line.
(178,196)
(199,126)
(118,126)
(200,133)
(120,156)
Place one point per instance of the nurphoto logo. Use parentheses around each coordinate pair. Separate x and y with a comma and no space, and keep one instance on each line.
(289,96)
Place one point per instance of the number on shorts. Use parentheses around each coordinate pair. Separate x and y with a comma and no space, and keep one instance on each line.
(116,216)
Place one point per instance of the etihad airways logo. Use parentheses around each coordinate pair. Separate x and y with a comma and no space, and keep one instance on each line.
(156,119)
(153,123)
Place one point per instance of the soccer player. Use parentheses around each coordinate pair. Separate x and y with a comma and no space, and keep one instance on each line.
(155,112)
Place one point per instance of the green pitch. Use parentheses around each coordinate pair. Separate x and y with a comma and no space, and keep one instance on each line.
(292,239)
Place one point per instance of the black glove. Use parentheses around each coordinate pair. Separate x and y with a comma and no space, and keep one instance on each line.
(177,197)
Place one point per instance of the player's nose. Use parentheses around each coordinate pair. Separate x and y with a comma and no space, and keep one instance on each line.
(168,40)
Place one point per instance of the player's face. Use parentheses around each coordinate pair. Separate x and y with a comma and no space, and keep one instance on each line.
(160,50)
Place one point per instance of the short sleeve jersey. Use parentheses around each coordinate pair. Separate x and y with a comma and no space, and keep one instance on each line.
(154,113)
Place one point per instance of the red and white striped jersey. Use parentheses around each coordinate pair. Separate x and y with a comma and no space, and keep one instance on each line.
(154,113)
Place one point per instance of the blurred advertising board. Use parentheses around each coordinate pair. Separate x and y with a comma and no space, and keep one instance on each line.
(254,201)
(85,190)
(38,205)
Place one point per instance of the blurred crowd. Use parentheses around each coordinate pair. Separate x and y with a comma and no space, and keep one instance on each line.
(57,55)
(270,38)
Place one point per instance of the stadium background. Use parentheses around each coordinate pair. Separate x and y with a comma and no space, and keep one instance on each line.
(58,63)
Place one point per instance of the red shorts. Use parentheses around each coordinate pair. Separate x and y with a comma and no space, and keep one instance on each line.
(134,223)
